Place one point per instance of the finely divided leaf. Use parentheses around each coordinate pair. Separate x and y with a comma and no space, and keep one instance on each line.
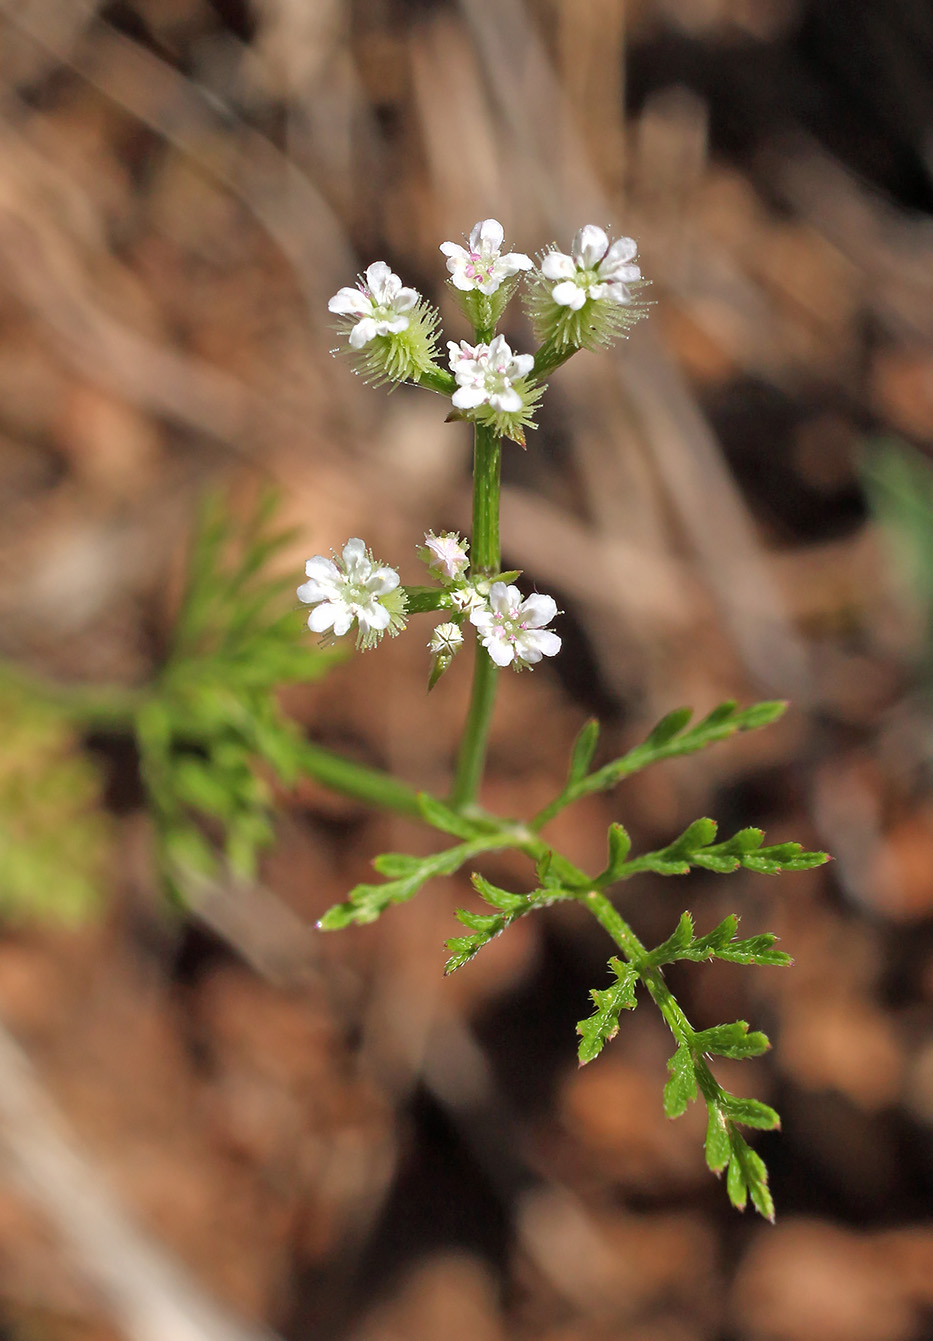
(681,1089)
(486,926)
(366,902)
(603,1025)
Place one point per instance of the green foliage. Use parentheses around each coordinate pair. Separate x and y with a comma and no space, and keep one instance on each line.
(54,837)
(671,738)
(720,943)
(484,927)
(211,736)
(725,1148)
(695,847)
(603,1025)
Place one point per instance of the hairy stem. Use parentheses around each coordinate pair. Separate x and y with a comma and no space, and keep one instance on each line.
(486,562)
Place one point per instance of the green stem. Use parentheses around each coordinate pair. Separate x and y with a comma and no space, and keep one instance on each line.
(486,561)
(362,783)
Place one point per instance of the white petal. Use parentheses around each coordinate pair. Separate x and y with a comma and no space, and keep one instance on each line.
(469,397)
(481,618)
(618,293)
(544,642)
(511,264)
(405,300)
(499,350)
(379,277)
(363,332)
(556,265)
(508,401)
(392,327)
(501,651)
(309,593)
(589,246)
(569,294)
(453,250)
(537,610)
(324,616)
(460,279)
(382,581)
(374,616)
(623,249)
(522,365)
(531,655)
(322,569)
(344,621)
(487,236)
(350,303)
(356,560)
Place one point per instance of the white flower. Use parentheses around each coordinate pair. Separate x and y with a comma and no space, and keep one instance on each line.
(594,269)
(449,556)
(352,588)
(512,630)
(485,374)
(481,266)
(380,302)
(446,641)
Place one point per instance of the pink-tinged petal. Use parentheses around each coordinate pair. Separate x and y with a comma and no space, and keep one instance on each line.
(374,617)
(349,303)
(382,581)
(569,295)
(501,652)
(542,641)
(589,246)
(363,332)
(507,401)
(555,265)
(322,569)
(487,236)
(461,280)
(623,249)
(537,610)
(323,617)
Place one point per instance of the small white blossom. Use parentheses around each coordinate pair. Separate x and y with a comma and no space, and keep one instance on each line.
(352,588)
(446,641)
(449,557)
(485,374)
(480,265)
(380,301)
(512,630)
(594,269)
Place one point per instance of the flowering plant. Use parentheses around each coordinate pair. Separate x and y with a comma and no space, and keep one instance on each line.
(583,299)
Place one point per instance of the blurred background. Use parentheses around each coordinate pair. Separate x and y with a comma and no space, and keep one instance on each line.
(223,1126)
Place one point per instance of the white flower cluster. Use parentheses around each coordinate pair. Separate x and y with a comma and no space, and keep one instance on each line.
(594,269)
(380,301)
(485,374)
(481,265)
(354,589)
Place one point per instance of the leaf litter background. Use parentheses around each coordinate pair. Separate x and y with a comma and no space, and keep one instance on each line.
(325,1137)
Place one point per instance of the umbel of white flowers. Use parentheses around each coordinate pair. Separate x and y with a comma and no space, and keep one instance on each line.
(576,300)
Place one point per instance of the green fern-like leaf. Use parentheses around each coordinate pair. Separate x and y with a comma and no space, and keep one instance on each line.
(602,1026)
